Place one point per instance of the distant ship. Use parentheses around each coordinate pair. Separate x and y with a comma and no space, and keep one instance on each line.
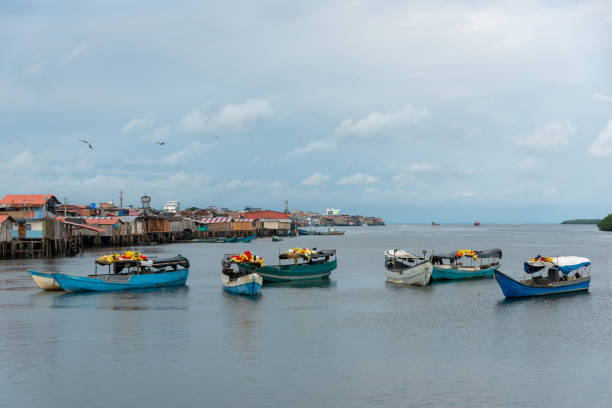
(477,223)
(434,223)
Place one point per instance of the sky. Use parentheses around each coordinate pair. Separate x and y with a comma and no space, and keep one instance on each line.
(414,111)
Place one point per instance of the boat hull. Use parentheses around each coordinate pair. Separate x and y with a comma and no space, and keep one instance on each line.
(248,285)
(108,283)
(419,274)
(512,288)
(467,273)
(247,239)
(45,281)
(300,272)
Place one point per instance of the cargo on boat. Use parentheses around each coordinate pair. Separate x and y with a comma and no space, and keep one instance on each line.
(564,274)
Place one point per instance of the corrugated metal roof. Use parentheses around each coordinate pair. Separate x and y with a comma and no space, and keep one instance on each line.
(5,217)
(83,226)
(102,220)
(267,214)
(215,220)
(27,200)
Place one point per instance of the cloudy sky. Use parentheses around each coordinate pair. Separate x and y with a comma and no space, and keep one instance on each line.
(415,111)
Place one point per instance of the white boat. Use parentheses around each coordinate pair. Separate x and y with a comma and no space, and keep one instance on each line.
(406,268)
(45,281)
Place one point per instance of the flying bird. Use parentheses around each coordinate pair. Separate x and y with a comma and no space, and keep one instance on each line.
(88,144)
(160,143)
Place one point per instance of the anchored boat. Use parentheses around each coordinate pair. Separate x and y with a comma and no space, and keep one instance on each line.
(466,264)
(129,271)
(304,264)
(247,239)
(239,279)
(330,231)
(403,267)
(45,281)
(564,274)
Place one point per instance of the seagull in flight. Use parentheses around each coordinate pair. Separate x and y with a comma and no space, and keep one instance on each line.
(88,144)
(160,143)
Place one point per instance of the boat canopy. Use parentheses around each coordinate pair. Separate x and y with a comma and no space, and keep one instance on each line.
(490,253)
(565,264)
(438,258)
(178,260)
(400,253)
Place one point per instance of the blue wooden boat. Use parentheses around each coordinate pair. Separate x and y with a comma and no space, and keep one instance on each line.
(129,274)
(237,278)
(566,274)
(247,239)
(466,264)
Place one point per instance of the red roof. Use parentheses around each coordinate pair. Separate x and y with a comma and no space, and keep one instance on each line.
(267,214)
(28,200)
(102,220)
(5,217)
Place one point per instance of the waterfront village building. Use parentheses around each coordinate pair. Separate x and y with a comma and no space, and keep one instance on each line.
(332,211)
(6,228)
(172,207)
(34,215)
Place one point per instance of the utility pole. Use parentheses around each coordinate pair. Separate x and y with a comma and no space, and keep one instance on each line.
(65,204)
(120,199)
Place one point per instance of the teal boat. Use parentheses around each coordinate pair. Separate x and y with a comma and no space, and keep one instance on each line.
(232,239)
(313,266)
(247,239)
(466,264)
(276,239)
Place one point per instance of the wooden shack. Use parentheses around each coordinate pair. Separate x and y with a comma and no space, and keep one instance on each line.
(6,228)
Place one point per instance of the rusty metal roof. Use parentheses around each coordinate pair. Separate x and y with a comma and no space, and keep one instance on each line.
(27,200)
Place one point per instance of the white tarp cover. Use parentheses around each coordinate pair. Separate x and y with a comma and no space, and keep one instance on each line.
(570,263)
(400,253)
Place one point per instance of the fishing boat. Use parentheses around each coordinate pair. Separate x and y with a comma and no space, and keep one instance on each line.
(330,231)
(477,223)
(247,239)
(276,239)
(45,281)
(564,274)
(433,223)
(404,267)
(466,264)
(231,239)
(303,264)
(128,271)
(237,278)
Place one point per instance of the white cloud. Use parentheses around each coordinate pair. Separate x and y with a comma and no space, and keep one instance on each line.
(75,54)
(34,69)
(366,128)
(231,117)
(316,179)
(239,184)
(602,97)
(312,147)
(193,150)
(551,190)
(526,163)
(422,167)
(602,146)
(375,122)
(358,178)
(553,135)
(159,134)
(138,124)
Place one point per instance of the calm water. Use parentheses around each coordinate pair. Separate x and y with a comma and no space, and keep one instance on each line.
(354,341)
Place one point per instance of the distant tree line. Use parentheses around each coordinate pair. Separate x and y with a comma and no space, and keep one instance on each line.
(582,221)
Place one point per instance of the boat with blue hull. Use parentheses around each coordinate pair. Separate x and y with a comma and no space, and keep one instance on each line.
(237,278)
(247,239)
(129,274)
(466,264)
(568,274)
